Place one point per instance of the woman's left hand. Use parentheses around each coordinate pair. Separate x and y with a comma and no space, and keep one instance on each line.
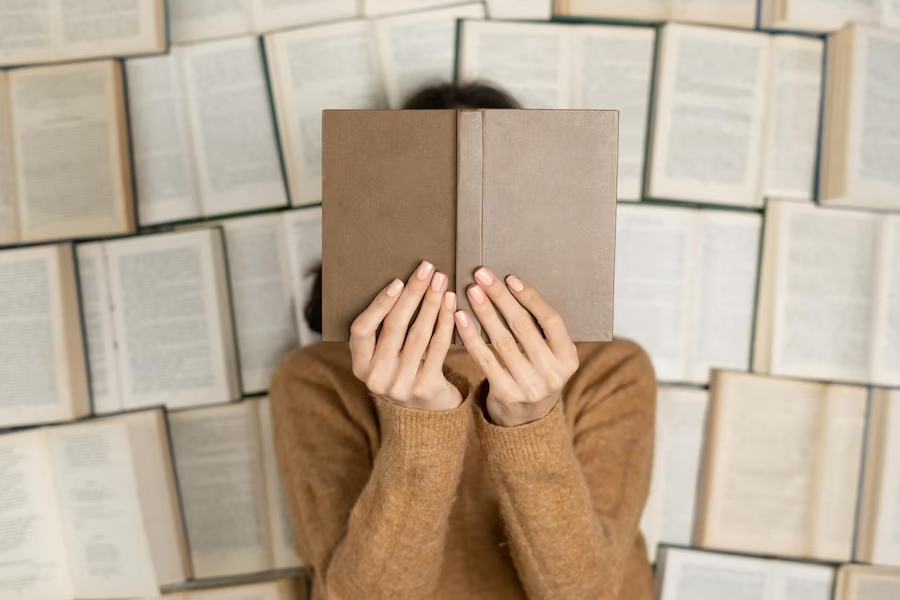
(528,387)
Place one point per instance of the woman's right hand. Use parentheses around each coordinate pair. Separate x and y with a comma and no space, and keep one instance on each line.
(407,368)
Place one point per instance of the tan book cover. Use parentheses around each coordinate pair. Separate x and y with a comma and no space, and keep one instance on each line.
(530,192)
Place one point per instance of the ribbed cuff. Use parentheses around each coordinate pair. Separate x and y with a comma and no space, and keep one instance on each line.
(525,445)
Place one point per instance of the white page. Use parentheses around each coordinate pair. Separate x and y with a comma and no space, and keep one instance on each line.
(792,125)
(220,471)
(96,307)
(540,10)
(29,32)
(680,421)
(725,296)
(164,168)
(9,227)
(90,28)
(529,60)
(420,49)
(103,527)
(642,10)
(271,15)
(613,69)
(798,581)
(698,575)
(886,356)
(261,287)
(823,292)
(653,282)
(829,15)
(238,165)
(886,538)
(168,313)
(33,562)
(68,150)
(200,20)
(730,13)
(304,251)
(710,103)
(377,8)
(313,69)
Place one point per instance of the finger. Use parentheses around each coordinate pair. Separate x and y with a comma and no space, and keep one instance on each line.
(547,316)
(365,326)
(499,378)
(442,338)
(396,324)
(500,337)
(520,321)
(423,329)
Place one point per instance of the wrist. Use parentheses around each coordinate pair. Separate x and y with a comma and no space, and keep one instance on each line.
(508,414)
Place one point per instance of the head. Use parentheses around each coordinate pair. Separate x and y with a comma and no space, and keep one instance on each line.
(433,97)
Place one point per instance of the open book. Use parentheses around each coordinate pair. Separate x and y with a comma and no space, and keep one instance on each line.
(94,508)
(64,166)
(272,261)
(158,319)
(281,589)
(782,462)
(826,15)
(731,13)
(736,116)
(356,64)
(877,534)
(829,301)
(203,136)
(43,373)
(685,287)
(688,574)
(60,30)
(860,140)
(236,514)
(680,423)
(858,582)
(547,65)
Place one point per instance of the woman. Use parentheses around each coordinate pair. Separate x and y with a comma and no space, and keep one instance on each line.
(415,470)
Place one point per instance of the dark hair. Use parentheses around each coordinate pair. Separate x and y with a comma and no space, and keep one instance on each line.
(434,97)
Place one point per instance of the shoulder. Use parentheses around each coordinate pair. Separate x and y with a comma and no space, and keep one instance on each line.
(322,370)
(619,371)
(620,356)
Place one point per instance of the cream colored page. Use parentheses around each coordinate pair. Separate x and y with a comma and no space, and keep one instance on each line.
(540,10)
(729,13)
(271,15)
(830,15)
(759,491)
(886,353)
(238,165)
(886,544)
(220,470)
(645,10)
(792,126)
(708,122)
(303,249)
(698,575)
(203,20)
(103,526)
(258,591)
(172,350)
(377,8)
(164,165)
(653,284)
(9,221)
(89,28)
(823,293)
(30,32)
(261,292)
(613,69)
(529,60)
(66,143)
(33,561)
(328,67)
(419,49)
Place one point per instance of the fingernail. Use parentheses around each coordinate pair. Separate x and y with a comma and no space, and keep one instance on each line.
(515,283)
(462,319)
(394,288)
(424,270)
(449,300)
(484,277)
(438,282)
(476,294)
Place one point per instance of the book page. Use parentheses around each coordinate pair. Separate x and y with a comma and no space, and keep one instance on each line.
(528,60)
(823,292)
(238,165)
(96,307)
(729,13)
(799,581)
(90,28)
(33,562)
(653,283)
(830,15)
(419,49)
(886,354)
(271,15)
(377,8)
(304,252)
(680,420)
(9,221)
(762,452)
(273,590)
(868,583)
(164,166)
(103,527)
(886,517)
(540,10)
(202,20)
(220,470)
(708,121)
(641,10)
(328,67)
(792,126)
(613,69)
(71,160)
(29,32)
(261,287)
(725,297)
(168,315)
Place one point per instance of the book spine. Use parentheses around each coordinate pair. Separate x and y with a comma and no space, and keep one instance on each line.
(469,200)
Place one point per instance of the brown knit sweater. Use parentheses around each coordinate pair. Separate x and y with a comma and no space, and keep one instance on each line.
(402,503)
